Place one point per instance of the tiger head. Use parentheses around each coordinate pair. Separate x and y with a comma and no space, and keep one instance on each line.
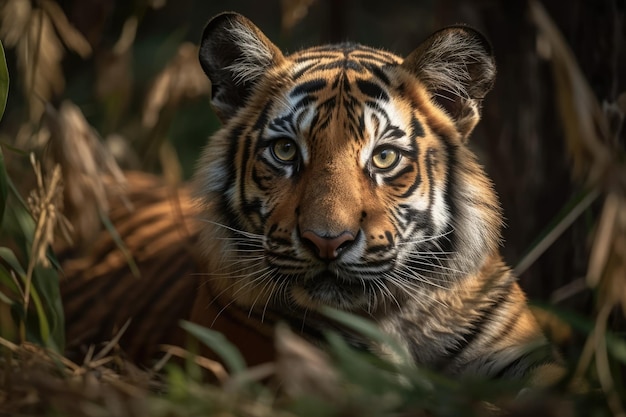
(341,174)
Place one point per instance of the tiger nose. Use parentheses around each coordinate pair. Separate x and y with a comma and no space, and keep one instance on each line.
(328,248)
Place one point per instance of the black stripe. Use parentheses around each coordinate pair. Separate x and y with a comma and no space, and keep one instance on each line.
(233,139)
(376,249)
(509,325)
(415,185)
(393,132)
(429,158)
(379,73)
(242,164)
(417,128)
(296,75)
(389,237)
(315,56)
(407,169)
(476,326)
(542,355)
(345,64)
(373,56)
(309,87)
(263,182)
(261,120)
(450,195)
(372,90)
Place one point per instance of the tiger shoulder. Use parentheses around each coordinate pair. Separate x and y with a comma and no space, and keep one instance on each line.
(341,177)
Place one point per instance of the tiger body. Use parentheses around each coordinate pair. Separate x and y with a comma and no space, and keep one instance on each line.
(341,177)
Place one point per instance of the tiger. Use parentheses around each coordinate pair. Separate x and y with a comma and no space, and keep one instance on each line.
(341,177)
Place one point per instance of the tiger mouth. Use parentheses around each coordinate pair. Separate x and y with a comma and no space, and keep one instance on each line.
(328,288)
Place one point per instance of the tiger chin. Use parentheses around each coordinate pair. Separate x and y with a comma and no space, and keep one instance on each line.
(342,177)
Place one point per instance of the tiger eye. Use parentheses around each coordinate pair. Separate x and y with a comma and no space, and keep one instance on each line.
(385,158)
(284,150)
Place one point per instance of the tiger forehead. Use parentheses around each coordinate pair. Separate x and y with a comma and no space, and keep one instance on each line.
(332,79)
(345,60)
(347,55)
(342,95)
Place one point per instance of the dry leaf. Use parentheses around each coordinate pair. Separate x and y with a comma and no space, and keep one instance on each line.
(585,125)
(90,173)
(181,79)
(15,18)
(293,11)
(304,369)
(46,205)
(603,240)
(39,56)
(71,37)
(38,36)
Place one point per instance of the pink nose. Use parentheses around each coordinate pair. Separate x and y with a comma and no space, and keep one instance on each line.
(328,248)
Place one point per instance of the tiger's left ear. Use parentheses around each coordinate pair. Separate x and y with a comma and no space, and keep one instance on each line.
(235,55)
(458,68)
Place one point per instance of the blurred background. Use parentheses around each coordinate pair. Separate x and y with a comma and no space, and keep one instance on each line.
(128,69)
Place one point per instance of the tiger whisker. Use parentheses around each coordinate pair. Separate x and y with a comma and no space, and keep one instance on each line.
(426,239)
(409,288)
(224,272)
(232,229)
(253,282)
(437,268)
(411,275)
(268,280)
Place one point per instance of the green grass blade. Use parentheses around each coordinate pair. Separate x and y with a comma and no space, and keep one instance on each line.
(219,344)
(4,81)
(42,318)
(46,282)
(9,257)
(4,186)
(564,219)
(367,329)
(120,244)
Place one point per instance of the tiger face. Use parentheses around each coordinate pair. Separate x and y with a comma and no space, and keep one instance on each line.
(341,174)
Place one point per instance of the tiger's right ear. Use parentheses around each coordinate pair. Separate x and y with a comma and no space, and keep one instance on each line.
(235,55)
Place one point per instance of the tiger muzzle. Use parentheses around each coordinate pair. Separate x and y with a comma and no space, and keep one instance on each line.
(327,248)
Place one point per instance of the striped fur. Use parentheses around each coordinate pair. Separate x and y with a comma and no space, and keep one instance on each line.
(341,177)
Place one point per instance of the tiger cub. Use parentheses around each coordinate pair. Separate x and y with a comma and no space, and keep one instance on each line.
(341,177)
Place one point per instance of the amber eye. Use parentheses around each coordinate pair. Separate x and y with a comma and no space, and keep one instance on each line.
(385,158)
(284,150)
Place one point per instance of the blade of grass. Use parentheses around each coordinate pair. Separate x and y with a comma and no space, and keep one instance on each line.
(603,240)
(367,329)
(4,187)
(44,327)
(7,281)
(44,324)
(10,258)
(564,219)
(4,81)
(49,311)
(46,281)
(216,341)
(120,244)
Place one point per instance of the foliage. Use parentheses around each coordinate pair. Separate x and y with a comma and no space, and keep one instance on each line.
(29,236)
